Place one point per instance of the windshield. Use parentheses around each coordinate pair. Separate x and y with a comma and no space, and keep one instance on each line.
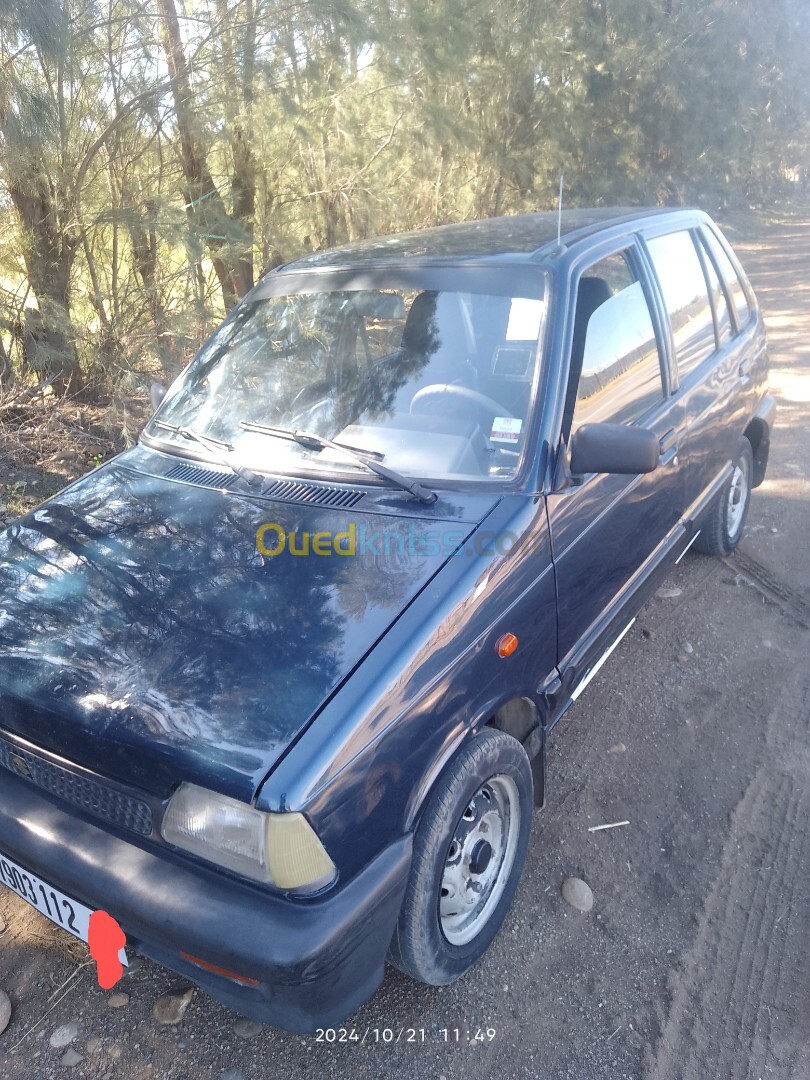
(436,383)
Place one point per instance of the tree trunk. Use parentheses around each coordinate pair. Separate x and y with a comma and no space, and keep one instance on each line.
(145,260)
(243,178)
(6,370)
(50,341)
(207,210)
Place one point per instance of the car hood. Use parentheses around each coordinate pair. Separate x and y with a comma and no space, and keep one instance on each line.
(143,636)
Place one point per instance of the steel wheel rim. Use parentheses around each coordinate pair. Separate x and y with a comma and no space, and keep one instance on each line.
(737,497)
(479,860)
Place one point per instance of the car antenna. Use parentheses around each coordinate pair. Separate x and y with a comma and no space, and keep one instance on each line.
(559,209)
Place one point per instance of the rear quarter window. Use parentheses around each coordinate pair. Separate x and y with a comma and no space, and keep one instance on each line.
(725,327)
(736,291)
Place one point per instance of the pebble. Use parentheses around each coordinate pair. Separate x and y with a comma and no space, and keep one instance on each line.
(577,893)
(2,924)
(232,1074)
(171,1007)
(118,1001)
(5,1011)
(64,1035)
(667,592)
(617,748)
(93,1044)
(114,1050)
(682,658)
(71,1058)
(247,1029)
(687,648)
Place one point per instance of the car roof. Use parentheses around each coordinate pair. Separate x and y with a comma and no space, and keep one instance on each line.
(493,238)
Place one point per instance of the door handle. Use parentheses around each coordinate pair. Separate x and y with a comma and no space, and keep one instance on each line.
(668,448)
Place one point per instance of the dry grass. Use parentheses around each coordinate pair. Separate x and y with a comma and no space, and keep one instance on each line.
(46,441)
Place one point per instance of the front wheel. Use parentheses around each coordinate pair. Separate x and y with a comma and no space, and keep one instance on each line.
(469,850)
(722,526)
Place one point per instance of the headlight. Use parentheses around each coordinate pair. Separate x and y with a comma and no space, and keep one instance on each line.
(279,849)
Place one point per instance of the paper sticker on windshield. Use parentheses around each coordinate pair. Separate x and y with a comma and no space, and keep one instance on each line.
(505,429)
(525,317)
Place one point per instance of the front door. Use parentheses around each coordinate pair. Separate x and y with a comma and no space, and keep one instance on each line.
(609,532)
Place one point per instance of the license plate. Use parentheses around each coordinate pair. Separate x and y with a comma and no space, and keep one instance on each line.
(53,904)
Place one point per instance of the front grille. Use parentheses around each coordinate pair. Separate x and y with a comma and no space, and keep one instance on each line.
(93,797)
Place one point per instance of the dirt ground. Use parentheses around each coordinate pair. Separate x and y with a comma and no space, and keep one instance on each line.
(694,962)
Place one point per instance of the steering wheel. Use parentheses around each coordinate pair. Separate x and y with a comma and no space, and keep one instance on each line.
(436,398)
(306,419)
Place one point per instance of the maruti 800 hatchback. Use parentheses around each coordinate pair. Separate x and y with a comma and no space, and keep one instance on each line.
(275,684)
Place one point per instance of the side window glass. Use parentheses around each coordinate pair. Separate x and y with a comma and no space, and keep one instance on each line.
(731,278)
(718,294)
(687,300)
(615,353)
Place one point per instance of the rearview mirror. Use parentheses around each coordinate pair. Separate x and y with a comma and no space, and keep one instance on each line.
(613,448)
(373,304)
(157,392)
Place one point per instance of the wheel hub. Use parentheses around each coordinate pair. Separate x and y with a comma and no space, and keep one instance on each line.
(737,499)
(479,859)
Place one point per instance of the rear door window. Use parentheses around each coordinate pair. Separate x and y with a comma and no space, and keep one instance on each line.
(735,288)
(615,352)
(683,284)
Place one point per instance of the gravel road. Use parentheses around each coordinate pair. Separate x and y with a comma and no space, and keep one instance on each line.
(693,962)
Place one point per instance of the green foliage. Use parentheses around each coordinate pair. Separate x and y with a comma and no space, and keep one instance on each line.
(135,207)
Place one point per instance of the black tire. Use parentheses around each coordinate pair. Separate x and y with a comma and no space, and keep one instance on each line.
(724,521)
(488,783)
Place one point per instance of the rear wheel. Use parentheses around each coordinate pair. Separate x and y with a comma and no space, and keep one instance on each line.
(469,850)
(723,524)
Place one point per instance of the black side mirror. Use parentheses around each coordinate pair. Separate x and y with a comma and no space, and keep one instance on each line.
(157,392)
(613,448)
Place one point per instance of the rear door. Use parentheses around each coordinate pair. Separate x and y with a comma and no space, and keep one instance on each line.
(712,346)
(610,532)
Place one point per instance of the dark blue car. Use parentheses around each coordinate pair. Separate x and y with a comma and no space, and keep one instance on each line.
(275,684)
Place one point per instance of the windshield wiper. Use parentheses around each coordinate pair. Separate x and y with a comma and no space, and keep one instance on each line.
(306,438)
(370,458)
(213,446)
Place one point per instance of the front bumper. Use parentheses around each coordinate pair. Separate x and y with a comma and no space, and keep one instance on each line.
(316,961)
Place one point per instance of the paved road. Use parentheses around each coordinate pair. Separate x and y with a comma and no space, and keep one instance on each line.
(694,962)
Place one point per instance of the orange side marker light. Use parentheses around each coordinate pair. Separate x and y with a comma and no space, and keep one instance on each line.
(506,644)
